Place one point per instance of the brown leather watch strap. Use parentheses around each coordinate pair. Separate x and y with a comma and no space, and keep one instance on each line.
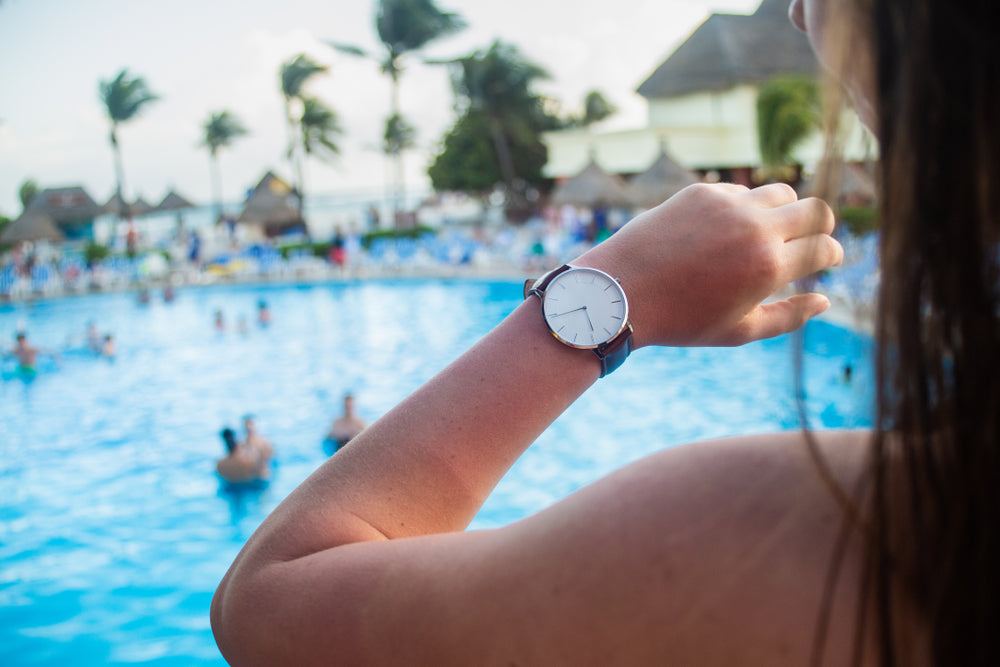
(538,285)
(614,353)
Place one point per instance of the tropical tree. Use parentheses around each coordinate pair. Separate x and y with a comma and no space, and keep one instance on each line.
(27,192)
(596,108)
(294,75)
(124,98)
(220,130)
(404,27)
(788,111)
(493,88)
(320,128)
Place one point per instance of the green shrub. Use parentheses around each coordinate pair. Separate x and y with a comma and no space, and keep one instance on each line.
(95,252)
(406,233)
(859,220)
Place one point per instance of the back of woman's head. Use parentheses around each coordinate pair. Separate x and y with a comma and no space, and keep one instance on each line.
(937,476)
(228,436)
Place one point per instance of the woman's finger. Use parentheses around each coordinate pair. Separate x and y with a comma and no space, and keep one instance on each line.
(779,317)
(773,195)
(804,217)
(807,255)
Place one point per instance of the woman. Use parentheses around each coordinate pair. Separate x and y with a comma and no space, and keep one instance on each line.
(729,552)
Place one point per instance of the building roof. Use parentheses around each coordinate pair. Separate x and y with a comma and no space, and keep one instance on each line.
(139,207)
(66,205)
(31,226)
(271,204)
(664,178)
(731,49)
(591,187)
(173,202)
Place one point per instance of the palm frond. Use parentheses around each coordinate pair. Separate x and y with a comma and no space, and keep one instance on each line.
(296,72)
(221,129)
(125,96)
(409,25)
(349,49)
(320,128)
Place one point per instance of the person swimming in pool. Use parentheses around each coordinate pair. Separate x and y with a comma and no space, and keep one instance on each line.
(94,343)
(347,426)
(108,347)
(26,354)
(238,466)
(257,446)
(263,314)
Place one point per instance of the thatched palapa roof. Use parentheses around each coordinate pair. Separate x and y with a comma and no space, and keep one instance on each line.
(173,202)
(139,207)
(664,178)
(66,205)
(272,205)
(591,187)
(731,49)
(31,226)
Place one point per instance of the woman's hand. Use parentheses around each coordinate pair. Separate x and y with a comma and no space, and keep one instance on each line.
(697,268)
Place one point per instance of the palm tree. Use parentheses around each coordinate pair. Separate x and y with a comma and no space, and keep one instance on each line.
(124,97)
(403,27)
(596,108)
(319,127)
(497,84)
(788,111)
(294,75)
(220,130)
(27,192)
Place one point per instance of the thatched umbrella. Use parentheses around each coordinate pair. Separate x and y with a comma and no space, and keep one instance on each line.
(114,206)
(272,206)
(173,202)
(31,226)
(591,187)
(664,178)
(141,207)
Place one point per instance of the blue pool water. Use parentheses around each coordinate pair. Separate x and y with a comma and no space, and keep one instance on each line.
(114,529)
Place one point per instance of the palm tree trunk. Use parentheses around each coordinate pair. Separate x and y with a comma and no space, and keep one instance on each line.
(294,155)
(397,186)
(217,187)
(503,154)
(119,175)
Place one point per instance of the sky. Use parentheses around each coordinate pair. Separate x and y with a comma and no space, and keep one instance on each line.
(203,56)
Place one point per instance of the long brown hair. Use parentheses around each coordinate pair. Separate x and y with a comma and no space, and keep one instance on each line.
(936,456)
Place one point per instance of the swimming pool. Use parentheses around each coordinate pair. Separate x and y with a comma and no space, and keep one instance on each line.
(114,529)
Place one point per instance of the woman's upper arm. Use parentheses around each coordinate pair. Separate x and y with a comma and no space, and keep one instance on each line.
(687,556)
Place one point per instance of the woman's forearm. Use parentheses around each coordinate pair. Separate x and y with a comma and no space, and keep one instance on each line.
(428,464)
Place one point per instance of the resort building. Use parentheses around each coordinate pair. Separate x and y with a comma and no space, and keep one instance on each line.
(702,104)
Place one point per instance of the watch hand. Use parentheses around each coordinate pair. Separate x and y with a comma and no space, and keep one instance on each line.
(589,323)
(584,308)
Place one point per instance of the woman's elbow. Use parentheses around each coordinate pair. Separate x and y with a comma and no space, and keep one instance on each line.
(236,622)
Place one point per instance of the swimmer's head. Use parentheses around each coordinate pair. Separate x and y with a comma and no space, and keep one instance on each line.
(229,437)
(20,337)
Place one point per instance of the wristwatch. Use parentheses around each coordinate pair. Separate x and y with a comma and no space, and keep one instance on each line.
(586,309)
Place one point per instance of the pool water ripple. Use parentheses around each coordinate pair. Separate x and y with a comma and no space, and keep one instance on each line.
(114,529)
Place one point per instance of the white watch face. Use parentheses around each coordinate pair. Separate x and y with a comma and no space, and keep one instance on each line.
(585,307)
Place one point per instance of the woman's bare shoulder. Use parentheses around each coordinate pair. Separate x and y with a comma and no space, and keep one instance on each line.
(711,553)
